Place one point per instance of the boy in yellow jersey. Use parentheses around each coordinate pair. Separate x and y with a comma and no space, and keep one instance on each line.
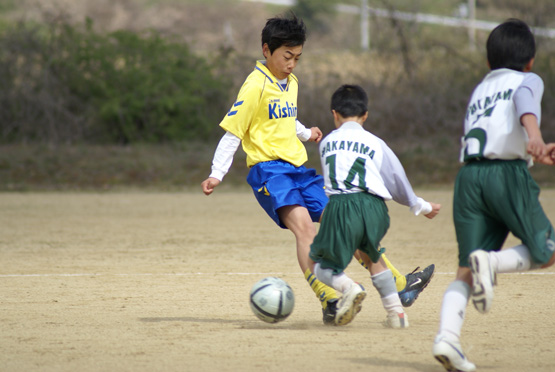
(264,120)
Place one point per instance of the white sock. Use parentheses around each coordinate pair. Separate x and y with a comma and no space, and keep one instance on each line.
(385,285)
(453,309)
(340,282)
(392,304)
(511,260)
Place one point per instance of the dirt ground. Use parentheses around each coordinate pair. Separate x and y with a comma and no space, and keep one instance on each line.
(136,281)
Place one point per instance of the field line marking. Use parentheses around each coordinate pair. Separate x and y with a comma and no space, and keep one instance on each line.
(205,273)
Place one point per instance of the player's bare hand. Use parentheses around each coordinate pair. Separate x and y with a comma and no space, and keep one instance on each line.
(435,210)
(315,134)
(209,184)
(549,157)
(536,147)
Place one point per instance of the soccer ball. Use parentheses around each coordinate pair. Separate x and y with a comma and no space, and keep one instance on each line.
(272,300)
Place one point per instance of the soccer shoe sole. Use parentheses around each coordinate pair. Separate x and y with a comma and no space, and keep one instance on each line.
(452,358)
(483,280)
(345,315)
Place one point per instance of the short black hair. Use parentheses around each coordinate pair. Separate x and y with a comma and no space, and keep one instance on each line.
(350,101)
(279,31)
(511,45)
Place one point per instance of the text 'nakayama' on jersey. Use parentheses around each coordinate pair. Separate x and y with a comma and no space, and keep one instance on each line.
(359,148)
(485,103)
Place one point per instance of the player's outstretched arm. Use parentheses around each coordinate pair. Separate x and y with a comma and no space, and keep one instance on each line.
(209,184)
(435,210)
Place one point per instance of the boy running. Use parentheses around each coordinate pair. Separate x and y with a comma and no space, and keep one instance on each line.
(361,172)
(264,120)
(494,192)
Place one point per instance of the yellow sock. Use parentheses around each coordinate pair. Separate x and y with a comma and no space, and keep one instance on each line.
(400,280)
(323,292)
(362,263)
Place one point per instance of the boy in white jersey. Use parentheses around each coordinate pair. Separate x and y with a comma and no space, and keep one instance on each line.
(264,120)
(360,172)
(494,192)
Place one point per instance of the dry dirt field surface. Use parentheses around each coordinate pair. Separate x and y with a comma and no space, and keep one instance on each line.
(136,281)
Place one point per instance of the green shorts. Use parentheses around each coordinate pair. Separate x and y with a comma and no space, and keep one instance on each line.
(350,222)
(493,198)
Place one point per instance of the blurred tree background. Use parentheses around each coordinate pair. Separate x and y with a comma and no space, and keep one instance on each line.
(125,93)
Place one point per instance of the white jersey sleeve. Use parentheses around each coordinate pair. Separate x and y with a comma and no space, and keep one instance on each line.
(526,96)
(396,181)
(421,206)
(223,156)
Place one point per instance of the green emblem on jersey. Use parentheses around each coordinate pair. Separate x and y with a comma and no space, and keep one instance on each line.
(485,114)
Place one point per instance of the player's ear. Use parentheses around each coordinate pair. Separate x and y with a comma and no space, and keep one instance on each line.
(365,116)
(529,65)
(266,50)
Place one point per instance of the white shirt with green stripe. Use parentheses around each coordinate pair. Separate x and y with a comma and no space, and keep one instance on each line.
(355,160)
(492,127)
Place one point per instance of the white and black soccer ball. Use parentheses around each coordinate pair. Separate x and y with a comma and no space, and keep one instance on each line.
(272,300)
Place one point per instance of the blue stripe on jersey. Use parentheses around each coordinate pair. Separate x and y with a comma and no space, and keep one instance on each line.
(231,113)
(271,81)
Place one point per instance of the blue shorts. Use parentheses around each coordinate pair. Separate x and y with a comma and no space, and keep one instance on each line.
(278,184)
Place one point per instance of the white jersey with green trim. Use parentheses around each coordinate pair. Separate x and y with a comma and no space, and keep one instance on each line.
(492,127)
(355,160)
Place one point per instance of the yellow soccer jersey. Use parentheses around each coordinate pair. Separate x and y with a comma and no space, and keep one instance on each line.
(264,118)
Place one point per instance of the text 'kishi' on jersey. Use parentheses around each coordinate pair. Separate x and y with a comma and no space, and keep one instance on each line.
(275,109)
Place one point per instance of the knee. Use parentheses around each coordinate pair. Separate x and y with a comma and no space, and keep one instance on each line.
(305,230)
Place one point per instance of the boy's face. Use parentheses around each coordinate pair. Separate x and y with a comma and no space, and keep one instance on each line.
(284,59)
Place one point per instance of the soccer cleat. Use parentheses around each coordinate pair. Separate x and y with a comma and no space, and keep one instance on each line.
(450,355)
(350,304)
(483,280)
(416,282)
(329,312)
(396,320)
